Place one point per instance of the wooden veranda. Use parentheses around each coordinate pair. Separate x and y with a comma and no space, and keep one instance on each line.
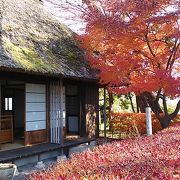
(24,152)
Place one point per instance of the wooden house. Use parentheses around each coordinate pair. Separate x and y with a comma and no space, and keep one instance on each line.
(47,89)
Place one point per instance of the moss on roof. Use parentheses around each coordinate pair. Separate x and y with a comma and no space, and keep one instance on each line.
(32,40)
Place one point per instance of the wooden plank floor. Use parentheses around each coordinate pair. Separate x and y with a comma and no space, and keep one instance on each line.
(11,155)
(78,141)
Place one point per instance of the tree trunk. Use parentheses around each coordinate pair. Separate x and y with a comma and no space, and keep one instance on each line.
(140,104)
(110,104)
(110,101)
(132,106)
(137,104)
(146,99)
(166,119)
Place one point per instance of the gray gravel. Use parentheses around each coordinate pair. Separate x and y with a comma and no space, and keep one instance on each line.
(29,169)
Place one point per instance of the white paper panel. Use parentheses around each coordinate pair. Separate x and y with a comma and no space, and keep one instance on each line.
(35,107)
(33,116)
(36,88)
(37,125)
(32,97)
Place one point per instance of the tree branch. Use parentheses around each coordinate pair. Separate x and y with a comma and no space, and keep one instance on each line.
(132,106)
(169,59)
(173,115)
(174,55)
(149,46)
(158,95)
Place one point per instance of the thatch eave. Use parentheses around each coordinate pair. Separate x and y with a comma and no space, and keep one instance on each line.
(32,41)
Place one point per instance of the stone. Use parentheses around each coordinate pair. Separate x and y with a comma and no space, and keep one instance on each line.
(61,158)
(78,149)
(40,165)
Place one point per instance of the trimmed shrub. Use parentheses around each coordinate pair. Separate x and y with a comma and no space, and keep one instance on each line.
(134,123)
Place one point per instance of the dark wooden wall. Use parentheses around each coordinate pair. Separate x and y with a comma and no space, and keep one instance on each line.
(35,137)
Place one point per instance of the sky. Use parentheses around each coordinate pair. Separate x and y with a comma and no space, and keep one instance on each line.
(75,26)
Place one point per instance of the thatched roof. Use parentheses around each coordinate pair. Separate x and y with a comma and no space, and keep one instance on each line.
(31,40)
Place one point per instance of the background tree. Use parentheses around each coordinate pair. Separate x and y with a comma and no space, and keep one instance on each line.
(135,46)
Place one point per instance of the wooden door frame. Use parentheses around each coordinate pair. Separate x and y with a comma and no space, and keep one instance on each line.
(79,107)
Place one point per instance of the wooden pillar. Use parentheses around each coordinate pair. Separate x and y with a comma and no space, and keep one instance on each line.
(61,114)
(105,118)
(0,99)
(148,121)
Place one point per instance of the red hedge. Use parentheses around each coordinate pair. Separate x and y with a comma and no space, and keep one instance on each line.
(133,122)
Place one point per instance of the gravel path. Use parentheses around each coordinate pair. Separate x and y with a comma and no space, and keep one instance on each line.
(29,169)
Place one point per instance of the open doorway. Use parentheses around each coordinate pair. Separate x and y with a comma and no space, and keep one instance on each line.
(12,114)
(72,109)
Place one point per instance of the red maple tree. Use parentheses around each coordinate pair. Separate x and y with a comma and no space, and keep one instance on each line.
(135,46)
